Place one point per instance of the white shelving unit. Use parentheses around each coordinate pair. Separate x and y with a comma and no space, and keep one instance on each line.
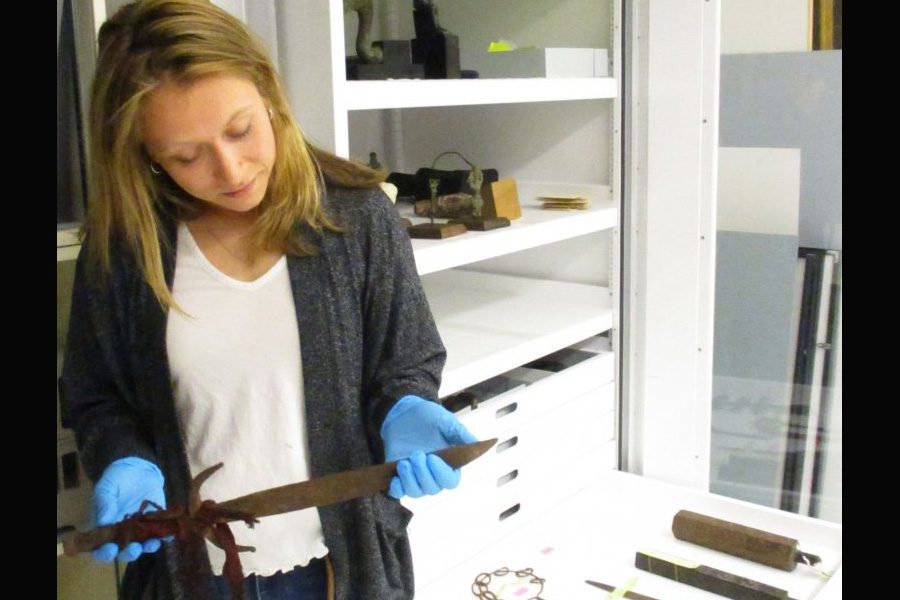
(505,298)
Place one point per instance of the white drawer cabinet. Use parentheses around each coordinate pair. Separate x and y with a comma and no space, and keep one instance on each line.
(552,428)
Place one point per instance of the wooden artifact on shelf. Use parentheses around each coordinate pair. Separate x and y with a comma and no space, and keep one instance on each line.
(478,221)
(448,206)
(432,230)
(501,199)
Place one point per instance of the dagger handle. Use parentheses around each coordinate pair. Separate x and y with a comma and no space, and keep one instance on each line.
(131,529)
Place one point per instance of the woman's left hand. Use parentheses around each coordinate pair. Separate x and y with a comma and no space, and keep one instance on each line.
(413,428)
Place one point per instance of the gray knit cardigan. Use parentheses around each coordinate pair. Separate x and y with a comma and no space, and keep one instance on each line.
(368,338)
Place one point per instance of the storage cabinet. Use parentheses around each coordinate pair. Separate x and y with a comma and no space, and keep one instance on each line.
(505,298)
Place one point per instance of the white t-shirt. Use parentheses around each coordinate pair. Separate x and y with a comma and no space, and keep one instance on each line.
(235,362)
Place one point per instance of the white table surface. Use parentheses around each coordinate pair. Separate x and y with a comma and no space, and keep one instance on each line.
(595,533)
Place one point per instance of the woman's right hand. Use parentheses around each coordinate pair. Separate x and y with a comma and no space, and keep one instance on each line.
(119,492)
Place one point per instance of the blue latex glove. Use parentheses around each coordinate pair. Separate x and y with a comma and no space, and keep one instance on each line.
(413,428)
(119,492)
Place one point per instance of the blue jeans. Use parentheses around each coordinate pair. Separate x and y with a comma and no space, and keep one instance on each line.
(300,583)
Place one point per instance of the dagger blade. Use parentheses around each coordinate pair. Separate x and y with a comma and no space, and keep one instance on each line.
(340,487)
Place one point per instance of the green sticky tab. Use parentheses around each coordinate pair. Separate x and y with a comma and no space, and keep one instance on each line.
(620,591)
(672,559)
(501,46)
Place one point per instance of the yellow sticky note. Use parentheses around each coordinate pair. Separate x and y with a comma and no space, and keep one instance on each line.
(500,46)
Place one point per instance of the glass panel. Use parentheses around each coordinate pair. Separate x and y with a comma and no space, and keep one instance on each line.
(777,403)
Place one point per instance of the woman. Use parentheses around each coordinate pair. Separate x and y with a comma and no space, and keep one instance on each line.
(243,297)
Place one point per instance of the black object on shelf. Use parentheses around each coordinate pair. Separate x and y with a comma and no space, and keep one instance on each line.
(457,402)
(405,182)
(560,360)
(396,63)
(434,47)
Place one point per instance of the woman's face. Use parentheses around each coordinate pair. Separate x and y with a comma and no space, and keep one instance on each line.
(214,138)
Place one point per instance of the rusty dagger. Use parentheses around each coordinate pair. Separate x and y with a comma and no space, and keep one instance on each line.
(205,515)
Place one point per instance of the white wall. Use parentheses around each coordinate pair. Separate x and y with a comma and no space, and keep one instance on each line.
(765,26)
(759,190)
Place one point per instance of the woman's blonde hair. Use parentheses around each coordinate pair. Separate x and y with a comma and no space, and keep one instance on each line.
(140,45)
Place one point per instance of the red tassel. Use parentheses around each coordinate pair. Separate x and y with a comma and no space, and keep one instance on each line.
(232,570)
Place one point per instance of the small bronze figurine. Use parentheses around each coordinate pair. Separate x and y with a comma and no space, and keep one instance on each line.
(434,230)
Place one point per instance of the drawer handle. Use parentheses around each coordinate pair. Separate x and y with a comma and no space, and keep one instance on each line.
(504,446)
(509,408)
(510,511)
(507,478)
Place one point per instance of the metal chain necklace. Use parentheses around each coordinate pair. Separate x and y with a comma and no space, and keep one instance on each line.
(481,590)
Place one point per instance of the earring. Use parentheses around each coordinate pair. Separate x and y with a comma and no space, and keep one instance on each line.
(271,113)
(154,168)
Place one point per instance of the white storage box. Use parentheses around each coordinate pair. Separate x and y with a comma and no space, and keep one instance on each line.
(542,62)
